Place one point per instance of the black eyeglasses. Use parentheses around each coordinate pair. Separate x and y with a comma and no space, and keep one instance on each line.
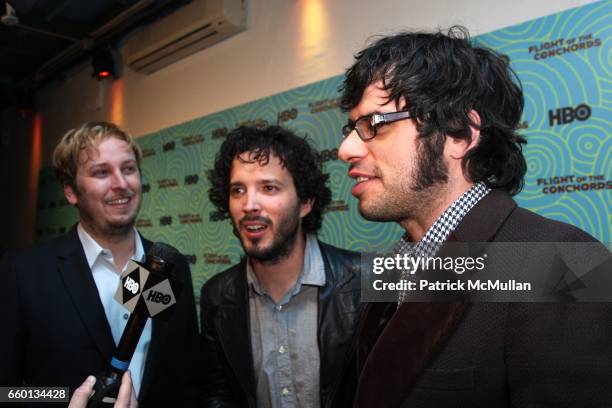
(366,126)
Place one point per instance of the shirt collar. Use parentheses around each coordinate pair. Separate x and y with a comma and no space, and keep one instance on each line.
(438,233)
(446,223)
(93,250)
(312,272)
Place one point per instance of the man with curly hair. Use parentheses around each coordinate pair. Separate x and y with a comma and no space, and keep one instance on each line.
(278,328)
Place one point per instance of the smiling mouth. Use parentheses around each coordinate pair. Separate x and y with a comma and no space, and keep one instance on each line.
(361,183)
(255,228)
(119,201)
(362,179)
(254,224)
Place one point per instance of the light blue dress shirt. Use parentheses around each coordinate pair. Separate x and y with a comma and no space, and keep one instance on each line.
(284,337)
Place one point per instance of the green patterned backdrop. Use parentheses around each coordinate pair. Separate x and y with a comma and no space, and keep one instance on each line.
(563,61)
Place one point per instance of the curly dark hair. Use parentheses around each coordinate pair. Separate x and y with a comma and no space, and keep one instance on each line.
(442,77)
(294,153)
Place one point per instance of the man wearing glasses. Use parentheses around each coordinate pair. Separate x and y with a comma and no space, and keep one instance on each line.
(431,144)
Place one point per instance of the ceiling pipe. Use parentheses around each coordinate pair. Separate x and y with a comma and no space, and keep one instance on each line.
(119,25)
(54,64)
(11,19)
(58,9)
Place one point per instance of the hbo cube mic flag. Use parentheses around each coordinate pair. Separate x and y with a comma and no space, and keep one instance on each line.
(146,290)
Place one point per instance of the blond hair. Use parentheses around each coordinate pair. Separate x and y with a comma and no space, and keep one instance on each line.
(87,136)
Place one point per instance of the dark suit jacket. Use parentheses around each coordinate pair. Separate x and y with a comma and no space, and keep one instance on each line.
(229,374)
(55,332)
(457,354)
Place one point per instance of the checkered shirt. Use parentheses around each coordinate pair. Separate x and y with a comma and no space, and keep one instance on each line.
(438,233)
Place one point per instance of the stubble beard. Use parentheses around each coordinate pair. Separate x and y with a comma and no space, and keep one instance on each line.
(411,199)
(110,229)
(283,241)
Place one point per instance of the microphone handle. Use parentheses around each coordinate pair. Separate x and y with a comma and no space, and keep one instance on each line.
(107,384)
(106,390)
(128,342)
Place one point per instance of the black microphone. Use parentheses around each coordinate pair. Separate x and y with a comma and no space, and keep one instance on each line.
(146,290)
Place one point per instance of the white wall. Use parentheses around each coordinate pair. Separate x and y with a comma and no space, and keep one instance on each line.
(289,43)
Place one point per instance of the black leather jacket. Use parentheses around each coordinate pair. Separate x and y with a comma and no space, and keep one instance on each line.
(229,378)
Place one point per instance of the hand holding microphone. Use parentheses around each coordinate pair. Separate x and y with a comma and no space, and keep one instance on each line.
(125,399)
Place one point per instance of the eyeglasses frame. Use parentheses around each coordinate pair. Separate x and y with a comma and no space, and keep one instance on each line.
(376,119)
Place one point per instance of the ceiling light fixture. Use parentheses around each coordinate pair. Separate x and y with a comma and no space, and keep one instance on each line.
(104,64)
(10,18)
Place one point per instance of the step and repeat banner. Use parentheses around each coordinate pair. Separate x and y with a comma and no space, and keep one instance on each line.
(563,61)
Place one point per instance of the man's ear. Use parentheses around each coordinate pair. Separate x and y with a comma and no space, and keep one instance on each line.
(458,148)
(306,207)
(70,194)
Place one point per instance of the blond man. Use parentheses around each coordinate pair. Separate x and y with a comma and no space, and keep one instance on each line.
(61,321)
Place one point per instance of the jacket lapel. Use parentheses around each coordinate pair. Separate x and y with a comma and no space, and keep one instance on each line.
(375,319)
(416,331)
(336,306)
(485,219)
(77,277)
(159,334)
(235,338)
(394,348)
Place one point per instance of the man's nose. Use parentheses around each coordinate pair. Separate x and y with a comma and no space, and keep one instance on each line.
(352,148)
(119,181)
(251,202)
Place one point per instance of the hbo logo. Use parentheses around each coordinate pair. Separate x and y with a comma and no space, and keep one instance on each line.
(568,114)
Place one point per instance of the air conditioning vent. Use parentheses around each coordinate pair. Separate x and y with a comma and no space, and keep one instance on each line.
(190,29)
